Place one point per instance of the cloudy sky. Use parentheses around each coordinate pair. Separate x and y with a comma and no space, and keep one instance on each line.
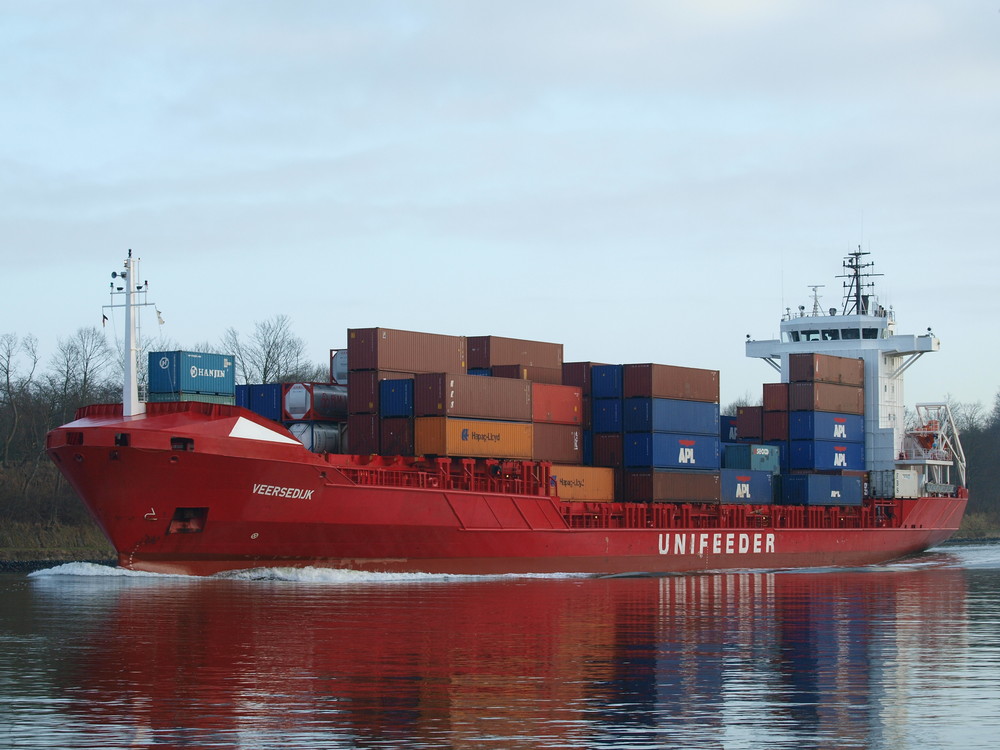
(641,181)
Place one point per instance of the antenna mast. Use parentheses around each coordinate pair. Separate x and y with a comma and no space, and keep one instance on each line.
(126,283)
(856,288)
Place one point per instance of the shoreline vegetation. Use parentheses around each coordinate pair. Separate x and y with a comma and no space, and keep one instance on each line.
(42,519)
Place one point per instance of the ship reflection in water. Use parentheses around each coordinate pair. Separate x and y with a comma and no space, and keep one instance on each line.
(883,657)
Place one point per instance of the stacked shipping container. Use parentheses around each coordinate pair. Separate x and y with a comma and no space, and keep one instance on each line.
(191,376)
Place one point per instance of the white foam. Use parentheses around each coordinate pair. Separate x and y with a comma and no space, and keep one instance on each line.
(343,576)
(95,570)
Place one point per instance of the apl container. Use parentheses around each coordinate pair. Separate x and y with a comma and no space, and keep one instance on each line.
(472,396)
(728,431)
(667,450)
(672,486)
(559,443)
(556,404)
(314,401)
(752,457)
(742,486)
(404,351)
(669,381)
(191,372)
(590,483)
(825,425)
(452,436)
(820,489)
(825,455)
(396,398)
(489,351)
(641,414)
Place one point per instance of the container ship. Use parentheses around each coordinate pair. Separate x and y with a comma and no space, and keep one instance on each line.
(450,454)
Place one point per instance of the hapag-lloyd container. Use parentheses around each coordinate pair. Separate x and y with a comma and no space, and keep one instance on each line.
(405,351)
(669,381)
(556,404)
(825,425)
(746,486)
(820,489)
(825,368)
(562,443)
(825,455)
(642,414)
(474,438)
(314,401)
(667,450)
(672,486)
(191,372)
(472,396)
(593,483)
(488,351)
(848,399)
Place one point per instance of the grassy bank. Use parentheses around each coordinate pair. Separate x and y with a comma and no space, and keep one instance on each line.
(25,542)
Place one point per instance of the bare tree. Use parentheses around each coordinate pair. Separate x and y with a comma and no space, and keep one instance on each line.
(14,385)
(272,354)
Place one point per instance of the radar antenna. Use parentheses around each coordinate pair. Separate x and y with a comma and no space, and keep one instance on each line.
(858,292)
(816,308)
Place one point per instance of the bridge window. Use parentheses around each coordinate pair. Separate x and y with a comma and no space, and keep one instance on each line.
(869,333)
(850,333)
(831,335)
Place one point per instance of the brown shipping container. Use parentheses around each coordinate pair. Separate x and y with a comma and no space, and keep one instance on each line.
(825,368)
(593,483)
(775,397)
(560,443)
(672,486)
(608,449)
(668,381)
(578,374)
(487,351)
(549,375)
(440,394)
(363,389)
(362,434)
(480,438)
(556,404)
(848,399)
(404,351)
(775,426)
(750,422)
(396,436)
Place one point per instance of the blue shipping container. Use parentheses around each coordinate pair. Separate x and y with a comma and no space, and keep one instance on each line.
(606,414)
(745,486)
(825,425)
(242,396)
(752,457)
(606,381)
(395,398)
(826,455)
(192,372)
(641,414)
(668,450)
(727,429)
(820,489)
(265,399)
(479,371)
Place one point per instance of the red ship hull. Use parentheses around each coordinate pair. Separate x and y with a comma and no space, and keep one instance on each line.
(199,489)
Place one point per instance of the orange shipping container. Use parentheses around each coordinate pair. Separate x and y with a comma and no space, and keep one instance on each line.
(670,381)
(848,399)
(592,483)
(478,438)
(556,404)
(404,351)
(487,351)
(825,368)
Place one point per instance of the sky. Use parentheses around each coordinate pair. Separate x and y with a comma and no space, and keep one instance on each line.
(639,180)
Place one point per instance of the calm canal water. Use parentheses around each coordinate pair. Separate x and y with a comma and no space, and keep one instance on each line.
(905,655)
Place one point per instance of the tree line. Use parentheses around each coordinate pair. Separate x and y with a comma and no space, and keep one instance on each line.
(36,397)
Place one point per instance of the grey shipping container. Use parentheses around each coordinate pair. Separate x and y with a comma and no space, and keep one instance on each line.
(487,351)
(404,351)
(471,396)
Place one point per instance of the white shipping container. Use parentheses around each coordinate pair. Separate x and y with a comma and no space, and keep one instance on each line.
(906,483)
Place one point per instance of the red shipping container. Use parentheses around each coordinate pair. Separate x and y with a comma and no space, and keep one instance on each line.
(668,381)
(549,375)
(609,449)
(825,368)
(396,436)
(488,351)
(439,394)
(556,404)
(672,486)
(363,389)
(404,351)
(578,374)
(559,443)
(775,426)
(750,422)
(848,399)
(775,397)
(362,434)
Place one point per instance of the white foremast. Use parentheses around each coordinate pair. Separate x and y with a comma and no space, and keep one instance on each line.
(126,283)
